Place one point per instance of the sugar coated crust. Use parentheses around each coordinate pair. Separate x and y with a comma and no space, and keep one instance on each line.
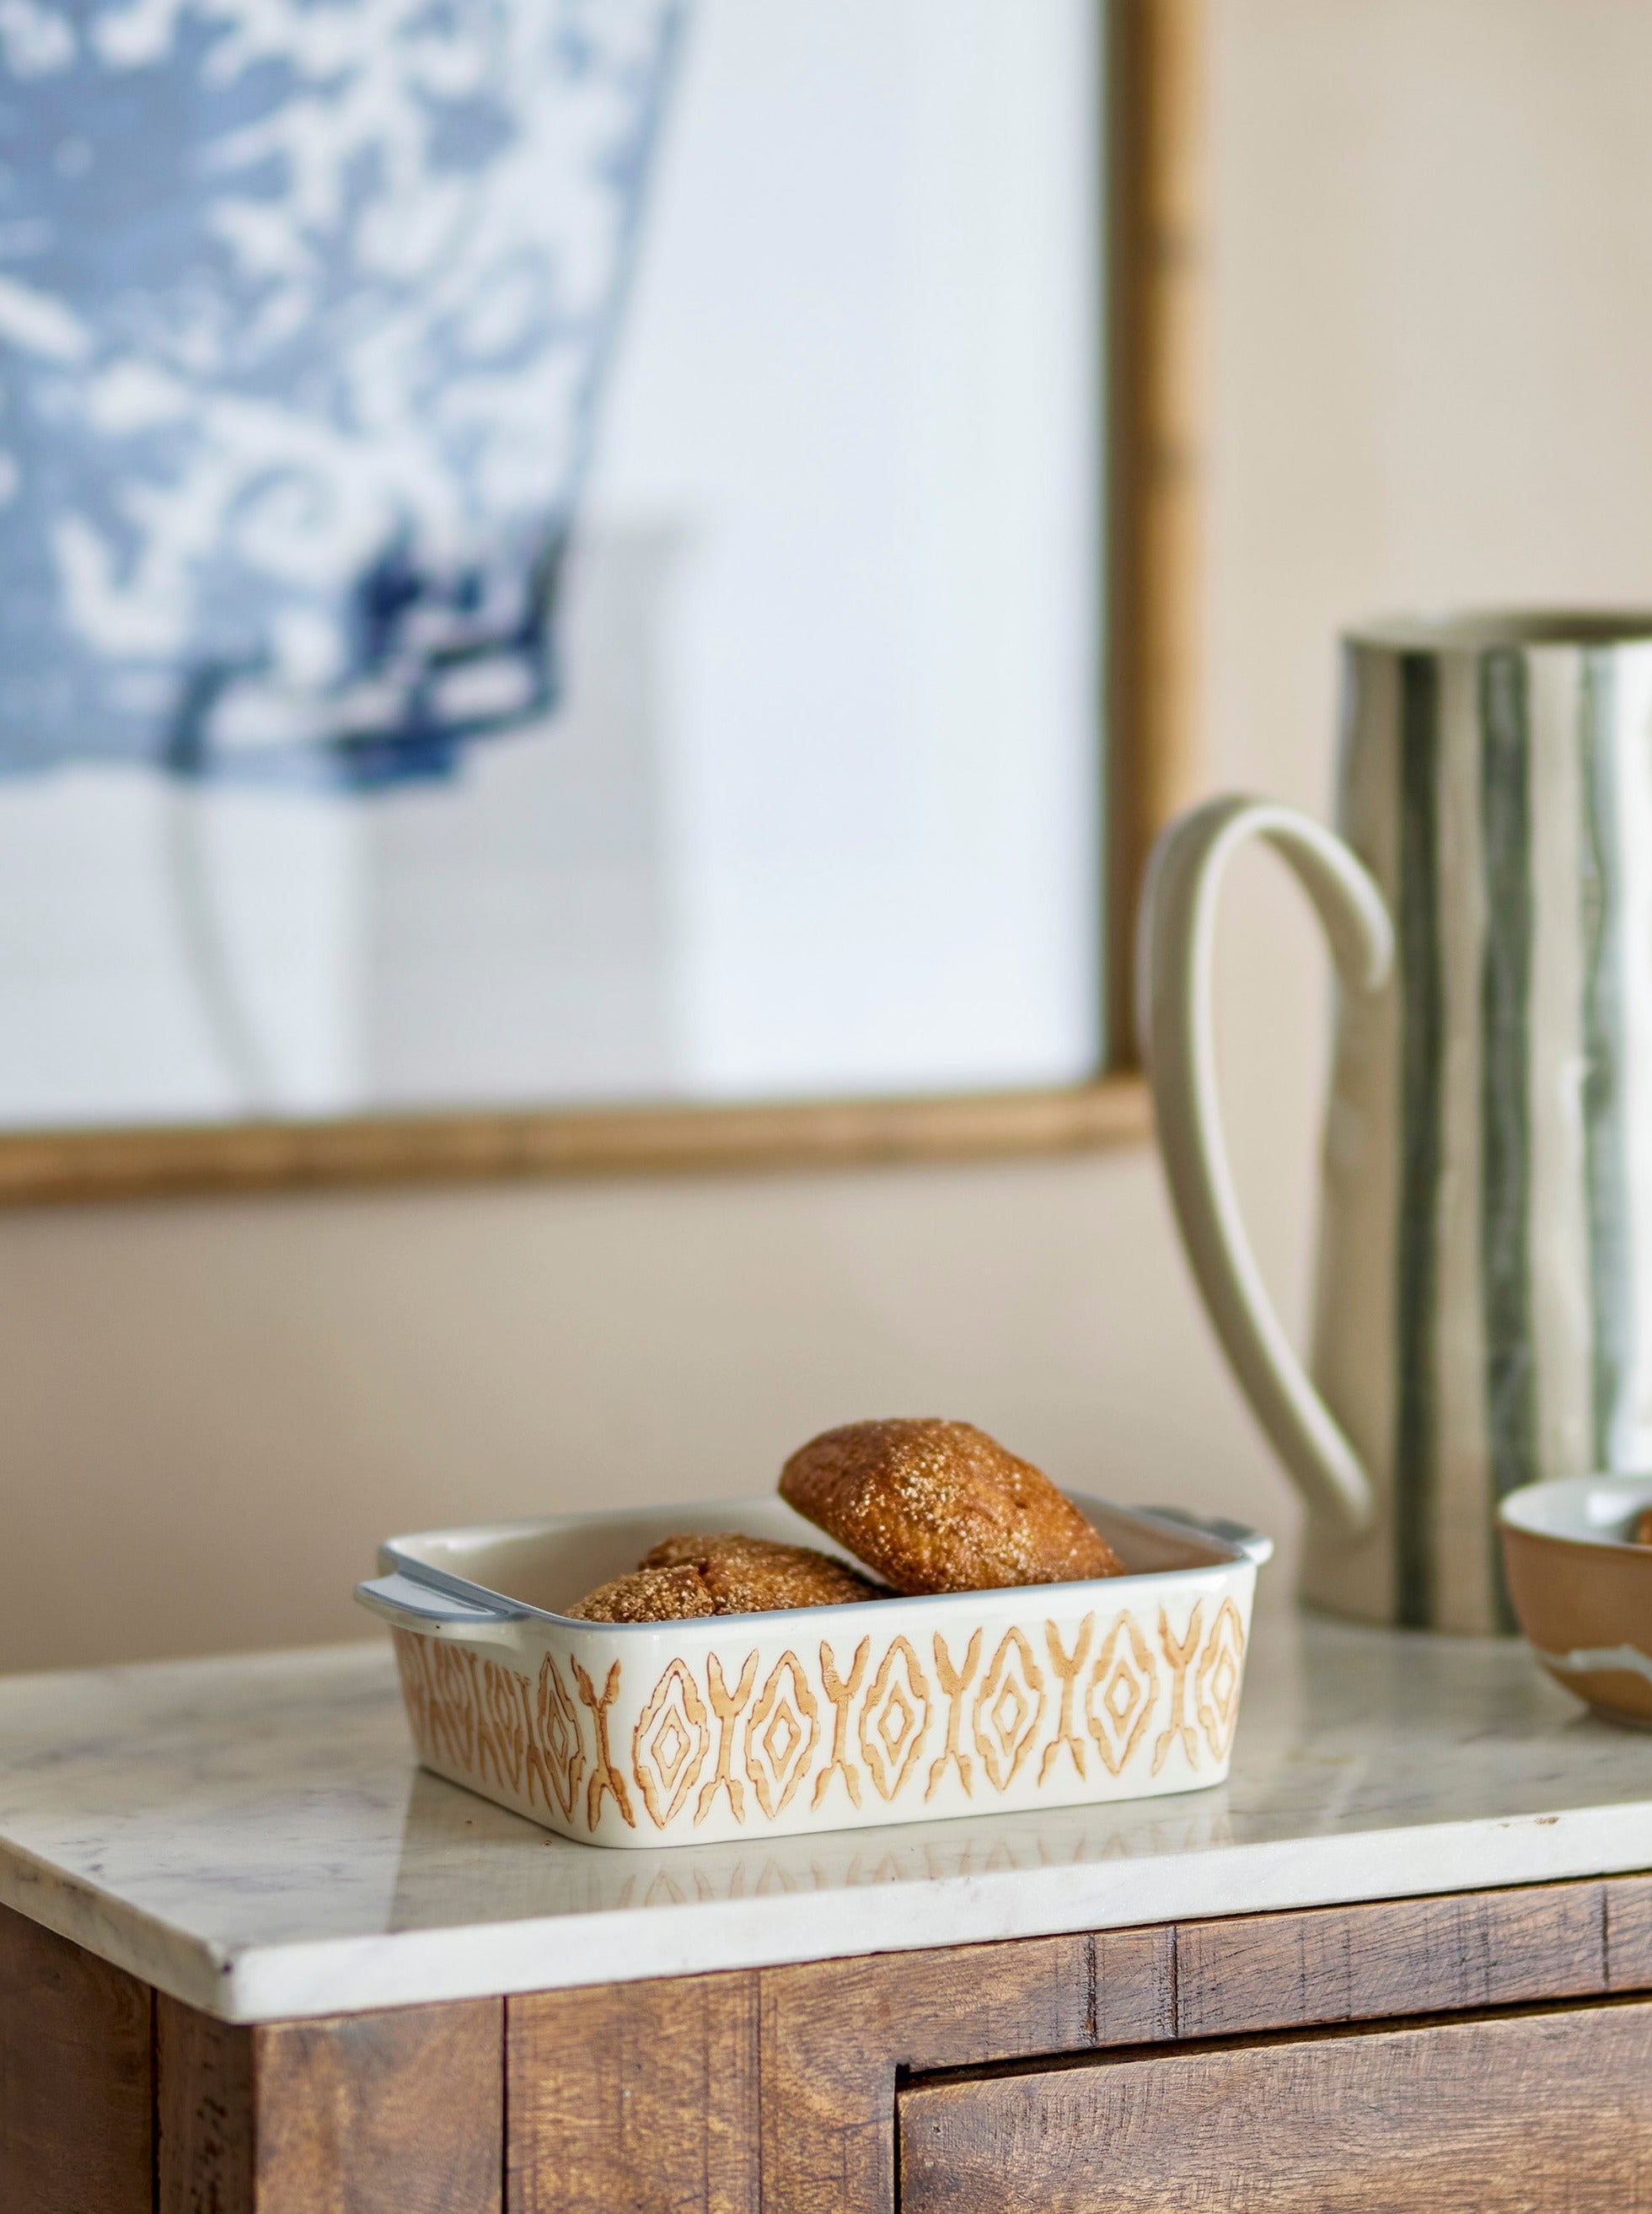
(755,1576)
(722,1573)
(933,1505)
(672,1594)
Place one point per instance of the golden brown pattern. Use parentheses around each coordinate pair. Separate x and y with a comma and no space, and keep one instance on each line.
(1180,1657)
(1217,1678)
(840,1692)
(670,1743)
(726,1705)
(1009,1708)
(471,1714)
(895,1719)
(503,1739)
(539,1747)
(1066,1666)
(441,1706)
(1120,1694)
(559,1733)
(605,1776)
(780,1734)
(953,1684)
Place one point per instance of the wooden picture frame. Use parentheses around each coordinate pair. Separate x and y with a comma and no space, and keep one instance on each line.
(1154,246)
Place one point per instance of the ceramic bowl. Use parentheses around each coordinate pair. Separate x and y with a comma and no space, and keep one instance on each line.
(816,1718)
(1582,1593)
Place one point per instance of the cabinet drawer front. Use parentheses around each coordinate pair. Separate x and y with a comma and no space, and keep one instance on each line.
(1549,2111)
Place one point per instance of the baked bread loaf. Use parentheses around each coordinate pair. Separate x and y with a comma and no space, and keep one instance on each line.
(755,1576)
(647,1595)
(723,1574)
(940,1507)
(1641,1534)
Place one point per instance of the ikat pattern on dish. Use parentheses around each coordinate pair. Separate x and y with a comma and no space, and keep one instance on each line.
(870,1725)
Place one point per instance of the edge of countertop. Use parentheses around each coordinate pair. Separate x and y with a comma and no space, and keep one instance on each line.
(310,1978)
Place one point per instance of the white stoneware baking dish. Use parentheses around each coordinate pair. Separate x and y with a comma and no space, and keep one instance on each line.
(817,1718)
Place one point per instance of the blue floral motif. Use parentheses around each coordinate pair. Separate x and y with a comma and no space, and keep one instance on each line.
(305,307)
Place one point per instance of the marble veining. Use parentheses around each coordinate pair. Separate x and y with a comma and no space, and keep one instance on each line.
(253,1836)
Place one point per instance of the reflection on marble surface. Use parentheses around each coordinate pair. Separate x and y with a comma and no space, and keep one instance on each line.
(251,1834)
(449,1839)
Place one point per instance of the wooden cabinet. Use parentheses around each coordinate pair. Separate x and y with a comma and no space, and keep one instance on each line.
(1484,2051)
(1494,2116)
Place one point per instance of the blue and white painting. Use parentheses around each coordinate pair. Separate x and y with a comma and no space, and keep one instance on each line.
(305,310)
(547,553)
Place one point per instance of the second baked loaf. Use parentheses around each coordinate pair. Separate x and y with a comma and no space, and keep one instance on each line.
(755,1576)
(722,1573)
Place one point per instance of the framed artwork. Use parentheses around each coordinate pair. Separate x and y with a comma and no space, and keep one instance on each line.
(584,583)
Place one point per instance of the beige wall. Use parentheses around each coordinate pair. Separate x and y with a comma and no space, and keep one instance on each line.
(1434,331)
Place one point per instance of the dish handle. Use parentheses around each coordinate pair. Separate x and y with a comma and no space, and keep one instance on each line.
(1253,1543)
(406,1603)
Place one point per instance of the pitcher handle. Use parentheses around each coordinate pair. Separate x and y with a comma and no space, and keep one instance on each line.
(1175,945)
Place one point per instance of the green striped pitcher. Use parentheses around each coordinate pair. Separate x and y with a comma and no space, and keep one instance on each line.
(1484,1314)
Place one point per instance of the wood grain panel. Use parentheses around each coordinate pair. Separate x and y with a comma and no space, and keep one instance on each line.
(835,2033)
(1407,1956)
(399,2113)
(76,2106)
(393,2112)
(1505,2116)
(634,2096)
(1629,1932)
(205,2105)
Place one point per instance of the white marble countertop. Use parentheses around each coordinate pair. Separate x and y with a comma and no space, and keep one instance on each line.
(252,1835)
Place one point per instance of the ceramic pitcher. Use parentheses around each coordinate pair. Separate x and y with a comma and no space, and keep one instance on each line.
(1484,1307)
